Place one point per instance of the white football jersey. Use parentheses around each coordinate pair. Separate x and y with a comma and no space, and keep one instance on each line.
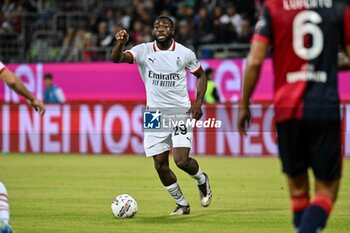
(164,73)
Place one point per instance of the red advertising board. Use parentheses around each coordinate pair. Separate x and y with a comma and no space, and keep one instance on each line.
(122,82)
(116,128)
(103,113)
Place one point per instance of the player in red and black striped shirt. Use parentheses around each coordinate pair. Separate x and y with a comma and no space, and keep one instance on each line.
(305,36)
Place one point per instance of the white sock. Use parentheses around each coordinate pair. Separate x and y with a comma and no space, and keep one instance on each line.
(4,204)
(176,193)
(199,177)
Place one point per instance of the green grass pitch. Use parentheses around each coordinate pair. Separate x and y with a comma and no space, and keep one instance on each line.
(59,193)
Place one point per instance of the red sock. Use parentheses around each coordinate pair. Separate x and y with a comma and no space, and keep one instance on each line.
(316,215)
(324,201)
(299,203)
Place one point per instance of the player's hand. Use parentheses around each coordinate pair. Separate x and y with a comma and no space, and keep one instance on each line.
(196,111)
(243,118)
(38,106)
(122,36)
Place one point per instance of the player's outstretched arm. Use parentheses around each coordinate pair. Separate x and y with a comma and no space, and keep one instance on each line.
(254,62)
(17,85)
(118,55)
(201,89)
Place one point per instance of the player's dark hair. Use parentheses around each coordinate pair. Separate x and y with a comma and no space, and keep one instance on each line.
(164,17)
(48,76)
(208,71)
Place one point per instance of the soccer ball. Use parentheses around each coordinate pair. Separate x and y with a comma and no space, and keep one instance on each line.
(124,206)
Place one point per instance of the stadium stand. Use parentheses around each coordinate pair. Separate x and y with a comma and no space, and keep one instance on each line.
(73,31)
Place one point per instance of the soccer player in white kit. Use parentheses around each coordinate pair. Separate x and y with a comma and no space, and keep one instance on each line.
(162,65)
(17,85)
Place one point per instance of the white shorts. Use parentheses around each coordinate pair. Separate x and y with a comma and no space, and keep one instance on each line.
(159,142)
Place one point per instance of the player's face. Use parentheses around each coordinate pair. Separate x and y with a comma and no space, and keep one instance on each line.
(48,82)
(163,31)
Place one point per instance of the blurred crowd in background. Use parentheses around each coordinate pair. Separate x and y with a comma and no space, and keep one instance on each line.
(83,30)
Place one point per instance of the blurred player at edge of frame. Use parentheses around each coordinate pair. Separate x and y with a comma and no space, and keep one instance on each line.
(4,210)
(305,40)
(165,57)
(17,85)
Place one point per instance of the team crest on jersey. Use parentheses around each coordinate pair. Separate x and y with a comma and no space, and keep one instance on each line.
(178,62)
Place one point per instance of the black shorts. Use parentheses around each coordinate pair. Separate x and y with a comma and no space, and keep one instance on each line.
(306,143)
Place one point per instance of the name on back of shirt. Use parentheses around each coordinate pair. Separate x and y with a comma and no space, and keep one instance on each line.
(306,4)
